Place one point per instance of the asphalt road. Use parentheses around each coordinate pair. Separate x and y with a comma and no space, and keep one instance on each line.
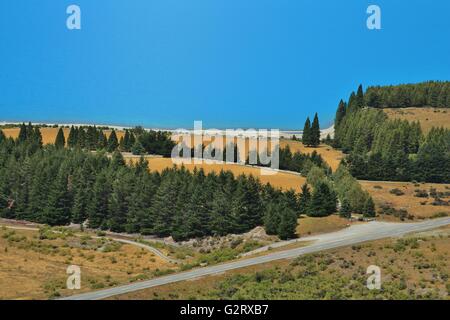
(354,235)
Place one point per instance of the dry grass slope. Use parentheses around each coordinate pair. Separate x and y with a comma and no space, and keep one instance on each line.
(416,206)
(428,117)
(35,268)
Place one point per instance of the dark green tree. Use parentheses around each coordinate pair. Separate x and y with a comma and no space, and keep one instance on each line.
(306,137)
(304,200)
(288,224)
(369,208)
(113,143)
(340,113)
(315,132)
(60,141)
(345,211)
(323,201)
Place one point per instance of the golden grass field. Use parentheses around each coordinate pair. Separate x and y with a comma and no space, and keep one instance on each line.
(428,117)
(407,201)
(49,134)
(331,156)
(433,250)
(33,268)
(310,226)
(281,180)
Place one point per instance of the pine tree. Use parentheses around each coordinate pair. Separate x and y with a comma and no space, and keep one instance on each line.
(22,133)
(81,138)
(98,205)
(323,201)
(132,140)
(57,211)
(137,148)
(306,137)
(102,141)
(352,103)
(315,132)
(60,141)
(220,224)
(272,219)
(126,142)
(198,213)
(288,224)
(113,143)
(247,206)
(72,139)
(369,208)
(163,208)
(340,113)
(359,101)
(118,201)
(304,199)
(117,160)
(345,210)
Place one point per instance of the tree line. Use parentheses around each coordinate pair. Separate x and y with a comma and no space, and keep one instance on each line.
(137,140)
(58,186)
(383,149)
(427,94)
(329,190)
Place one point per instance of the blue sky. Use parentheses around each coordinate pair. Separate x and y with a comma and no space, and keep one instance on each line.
(230,63)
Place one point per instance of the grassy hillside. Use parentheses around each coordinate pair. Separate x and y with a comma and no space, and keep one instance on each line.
(409,198)
(415,267)
(33,264)
(428,117)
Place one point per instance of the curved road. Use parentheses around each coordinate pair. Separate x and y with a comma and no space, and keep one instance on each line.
(351,236)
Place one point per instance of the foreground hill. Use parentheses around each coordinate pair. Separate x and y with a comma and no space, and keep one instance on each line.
(413,267)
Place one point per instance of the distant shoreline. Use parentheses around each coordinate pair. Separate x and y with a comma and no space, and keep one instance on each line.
(283,133)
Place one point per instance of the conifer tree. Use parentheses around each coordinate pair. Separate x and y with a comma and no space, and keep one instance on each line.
(247,206)
(304,199)
(112,141)
(345,210)
(220,223)
(163,208)
(306,137)
(98,205)
(57,211)
(81,138)
(102,141)
(288,224)
(369,208)
(323,201)
(22,133)
(72,139)
(126,146)
(118,201)
(60,141)
(340,113)
(137,148)
(315,132)
(272,219)
(359,101)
